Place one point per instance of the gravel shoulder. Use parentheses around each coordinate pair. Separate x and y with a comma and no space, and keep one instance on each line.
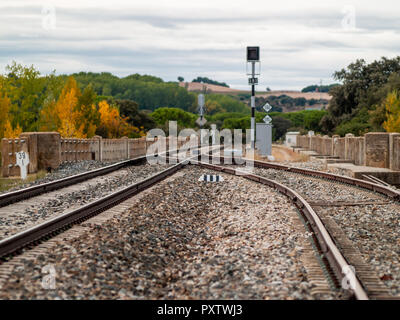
(185,240)
(65,170)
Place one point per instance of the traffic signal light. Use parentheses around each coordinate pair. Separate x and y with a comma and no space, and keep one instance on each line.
(253,54)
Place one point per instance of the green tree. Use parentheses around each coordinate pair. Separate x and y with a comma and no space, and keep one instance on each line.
(360,93)
(315,87)
(137,118)
(24,88)
(280,127)
(185,119)
(90,116)
(148,91)
(209,81)
(227,104)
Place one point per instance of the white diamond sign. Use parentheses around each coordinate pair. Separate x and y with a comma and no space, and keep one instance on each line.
(267,107)
(201,121)
(267,119)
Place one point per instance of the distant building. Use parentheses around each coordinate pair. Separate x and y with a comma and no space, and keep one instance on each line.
(291,139)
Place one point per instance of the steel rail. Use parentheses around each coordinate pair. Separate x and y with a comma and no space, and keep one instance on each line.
(337,262)
(26,193)
(387,191)
(15,243)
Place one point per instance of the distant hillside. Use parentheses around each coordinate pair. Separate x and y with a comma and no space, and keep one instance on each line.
(211,88)
(199,87)
(298,94)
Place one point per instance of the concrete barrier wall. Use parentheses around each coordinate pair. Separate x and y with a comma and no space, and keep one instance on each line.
(326,146)
(350,147)
(375,149)
(320,144)
(303,142)
(339,147)
(394,147)
(47,150)
(114,149)
(79,149)
(137,147)
(313,143)
(360,152)
(8,159)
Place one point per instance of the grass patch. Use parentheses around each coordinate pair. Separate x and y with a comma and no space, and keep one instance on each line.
(13,182)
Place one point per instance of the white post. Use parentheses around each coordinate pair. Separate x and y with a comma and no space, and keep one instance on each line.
(23,162)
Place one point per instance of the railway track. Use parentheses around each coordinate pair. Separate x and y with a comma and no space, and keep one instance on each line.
(326,240)
(277,255)
(26,193)
(51,226)
(361,217)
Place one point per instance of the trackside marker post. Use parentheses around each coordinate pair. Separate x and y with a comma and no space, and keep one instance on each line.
(23,162)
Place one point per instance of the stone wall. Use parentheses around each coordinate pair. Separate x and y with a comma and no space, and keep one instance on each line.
(303,142)
(338,146)
(394,147)
(360,151)
(47,150)
(326,148)
(375,149)
(9,147)
(79,149)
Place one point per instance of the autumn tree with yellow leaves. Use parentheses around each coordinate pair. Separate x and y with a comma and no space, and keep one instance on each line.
(76,115)
(69,115)
(112,125)
(6,129)
(62,115)
(392,107)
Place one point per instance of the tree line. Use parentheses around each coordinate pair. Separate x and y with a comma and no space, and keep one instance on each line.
(209,81)
(31,102)
(367,100)
(85,104)
(284,103)
(321,88)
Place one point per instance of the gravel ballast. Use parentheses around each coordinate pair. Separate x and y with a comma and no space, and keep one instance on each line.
(19,216)
(372,227)
(185,239)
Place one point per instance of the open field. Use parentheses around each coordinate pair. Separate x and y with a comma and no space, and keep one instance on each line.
(195,86)
(297,94)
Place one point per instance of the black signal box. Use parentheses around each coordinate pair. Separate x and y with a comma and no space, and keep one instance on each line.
(253,54)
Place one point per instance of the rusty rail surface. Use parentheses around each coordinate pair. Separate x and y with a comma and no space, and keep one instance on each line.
(336,261)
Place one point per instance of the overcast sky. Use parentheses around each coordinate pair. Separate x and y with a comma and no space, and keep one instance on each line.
(302,42)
